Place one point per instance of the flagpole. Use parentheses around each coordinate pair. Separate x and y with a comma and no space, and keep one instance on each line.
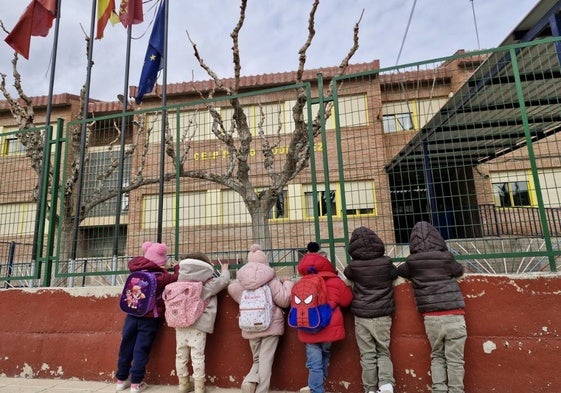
(164,123)
(43,180)
(82,154)
(119,207)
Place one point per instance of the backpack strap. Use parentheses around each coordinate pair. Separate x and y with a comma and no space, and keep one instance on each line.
(158,295)
(326,275)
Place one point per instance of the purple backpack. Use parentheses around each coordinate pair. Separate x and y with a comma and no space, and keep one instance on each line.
(139,294)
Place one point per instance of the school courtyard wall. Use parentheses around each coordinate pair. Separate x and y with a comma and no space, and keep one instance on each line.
(513,344)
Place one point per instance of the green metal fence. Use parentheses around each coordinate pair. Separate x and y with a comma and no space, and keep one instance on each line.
(469,143)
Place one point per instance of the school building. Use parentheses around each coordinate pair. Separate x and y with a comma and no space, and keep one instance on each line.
(468,143)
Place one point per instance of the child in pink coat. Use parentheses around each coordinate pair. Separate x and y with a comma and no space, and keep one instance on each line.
(254,274)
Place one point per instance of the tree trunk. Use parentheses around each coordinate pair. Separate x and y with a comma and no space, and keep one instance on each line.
(261,232)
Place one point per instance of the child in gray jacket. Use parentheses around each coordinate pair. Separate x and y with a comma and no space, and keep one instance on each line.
(191,340)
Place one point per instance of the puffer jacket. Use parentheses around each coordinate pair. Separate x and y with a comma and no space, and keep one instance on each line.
(338,295)
(252,276)
(372,274)
(197,270)
(432,270)
(163,279)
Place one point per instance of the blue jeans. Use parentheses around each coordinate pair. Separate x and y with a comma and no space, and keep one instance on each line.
(317,362)
(138,335)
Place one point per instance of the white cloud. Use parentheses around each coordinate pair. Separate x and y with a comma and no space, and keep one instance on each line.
(273,33)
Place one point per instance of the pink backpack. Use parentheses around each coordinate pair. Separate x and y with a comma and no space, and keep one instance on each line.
(184,304)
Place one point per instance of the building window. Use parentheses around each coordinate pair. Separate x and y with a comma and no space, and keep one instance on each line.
(324,199)
(108,132)
(359,198)
(150,211)
(17,219)
(98,163)
(411,114)
(98,241)
(510,194)
(398,122)
(272,119)
(353,111)
(234,209)
(12,145)
(280,208)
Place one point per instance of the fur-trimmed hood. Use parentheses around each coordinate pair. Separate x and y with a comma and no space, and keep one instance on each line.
(195,270)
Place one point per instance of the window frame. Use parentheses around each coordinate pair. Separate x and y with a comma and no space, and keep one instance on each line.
(512,197)
(394,118)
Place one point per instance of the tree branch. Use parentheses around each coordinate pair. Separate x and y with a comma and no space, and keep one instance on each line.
(304,48)
(209,71)
(236,48)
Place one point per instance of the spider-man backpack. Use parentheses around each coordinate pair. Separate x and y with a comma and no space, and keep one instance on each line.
(309,309)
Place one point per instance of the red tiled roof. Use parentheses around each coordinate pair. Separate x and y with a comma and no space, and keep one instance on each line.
(262,80)
(104,107)
(251,81)
(42,101)
(416,76)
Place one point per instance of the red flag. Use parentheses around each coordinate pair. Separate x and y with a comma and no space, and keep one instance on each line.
(36,20)
(105,12)
(130,12)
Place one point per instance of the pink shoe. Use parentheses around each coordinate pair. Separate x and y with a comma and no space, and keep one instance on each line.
(122,385)
(138,387)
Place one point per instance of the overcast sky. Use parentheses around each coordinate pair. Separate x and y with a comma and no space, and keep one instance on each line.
(273,32)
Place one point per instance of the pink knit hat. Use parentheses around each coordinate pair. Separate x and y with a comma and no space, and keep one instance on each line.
(156,252)
(257,255)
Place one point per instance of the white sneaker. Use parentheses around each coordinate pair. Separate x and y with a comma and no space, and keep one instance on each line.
(138,387)
(387,388)
(248,387)
(305,389)
(122,385)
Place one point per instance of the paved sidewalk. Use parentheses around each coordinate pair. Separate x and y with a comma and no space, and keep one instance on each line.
(36,385)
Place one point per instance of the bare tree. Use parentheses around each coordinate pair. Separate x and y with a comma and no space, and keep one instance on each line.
(34,142)
(238,139)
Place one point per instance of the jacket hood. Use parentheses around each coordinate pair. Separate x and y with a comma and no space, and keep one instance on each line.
(365,244)
(142,263)
(424,237)
(314,263)
(194,270)
(255,274)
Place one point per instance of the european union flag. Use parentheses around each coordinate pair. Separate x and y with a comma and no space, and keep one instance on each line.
(154,55)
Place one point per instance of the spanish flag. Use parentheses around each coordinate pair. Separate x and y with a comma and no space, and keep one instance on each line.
(105,12)
(35,21)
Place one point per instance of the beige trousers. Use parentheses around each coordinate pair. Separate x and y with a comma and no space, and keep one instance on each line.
(263,350)
(190,343)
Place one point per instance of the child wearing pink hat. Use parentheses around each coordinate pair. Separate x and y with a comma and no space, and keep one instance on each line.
(139,332)
(263,344)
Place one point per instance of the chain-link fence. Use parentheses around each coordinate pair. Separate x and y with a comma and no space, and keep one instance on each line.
(468,143)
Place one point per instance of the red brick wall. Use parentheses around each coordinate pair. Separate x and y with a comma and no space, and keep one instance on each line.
(513,340)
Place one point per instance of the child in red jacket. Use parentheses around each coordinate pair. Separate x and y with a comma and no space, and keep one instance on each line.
(318,344)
